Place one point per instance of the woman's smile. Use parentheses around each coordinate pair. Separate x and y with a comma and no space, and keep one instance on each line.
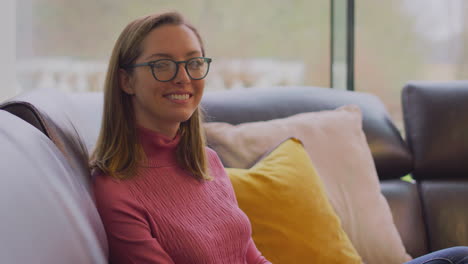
(179,97)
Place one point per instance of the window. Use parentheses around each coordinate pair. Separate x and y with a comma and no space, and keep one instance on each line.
(402,40)
(65,44)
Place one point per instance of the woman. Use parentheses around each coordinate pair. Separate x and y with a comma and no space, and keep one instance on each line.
(162,195)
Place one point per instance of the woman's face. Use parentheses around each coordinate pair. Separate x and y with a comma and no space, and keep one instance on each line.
(162,106)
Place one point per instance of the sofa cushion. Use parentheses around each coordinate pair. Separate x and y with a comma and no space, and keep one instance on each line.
(48,213)
(404,201)
(338,148)
(436,121)
(390,153)
(292,219)
(444,204)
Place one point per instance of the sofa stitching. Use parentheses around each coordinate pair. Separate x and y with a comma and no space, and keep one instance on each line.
(424,216)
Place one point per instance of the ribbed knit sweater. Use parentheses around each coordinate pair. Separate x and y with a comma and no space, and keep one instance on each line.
(165,215)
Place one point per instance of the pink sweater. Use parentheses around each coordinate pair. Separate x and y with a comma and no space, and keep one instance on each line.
(164,215)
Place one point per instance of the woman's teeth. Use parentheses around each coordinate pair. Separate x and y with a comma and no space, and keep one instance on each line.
(179,96)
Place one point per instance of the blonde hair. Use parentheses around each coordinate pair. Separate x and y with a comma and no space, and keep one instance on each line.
(117,152)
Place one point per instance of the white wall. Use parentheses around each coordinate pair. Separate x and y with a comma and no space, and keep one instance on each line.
(8,84)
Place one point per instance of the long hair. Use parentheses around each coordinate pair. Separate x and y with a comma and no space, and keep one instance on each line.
(118,152)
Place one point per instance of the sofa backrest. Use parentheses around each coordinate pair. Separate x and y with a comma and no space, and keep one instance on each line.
(391,155)
(436,121)
(48,214)
(71,122)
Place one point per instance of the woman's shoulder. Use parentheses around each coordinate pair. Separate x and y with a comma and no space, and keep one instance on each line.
(113,197)
(106,186)
(215,164)
(210,152)
(213,158)
(105,180)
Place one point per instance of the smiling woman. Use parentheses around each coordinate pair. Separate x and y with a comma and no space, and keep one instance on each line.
(162,195)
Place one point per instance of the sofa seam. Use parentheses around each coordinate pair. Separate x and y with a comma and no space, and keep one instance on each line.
(424,216)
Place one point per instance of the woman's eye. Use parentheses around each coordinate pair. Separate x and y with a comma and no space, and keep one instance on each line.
(195,64)
(161,66)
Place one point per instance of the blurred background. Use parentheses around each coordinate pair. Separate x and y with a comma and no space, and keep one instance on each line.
(65,44)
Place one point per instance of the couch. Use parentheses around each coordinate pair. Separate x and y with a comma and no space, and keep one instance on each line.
(48,214)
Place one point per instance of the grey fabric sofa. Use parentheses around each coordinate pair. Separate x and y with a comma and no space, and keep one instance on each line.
(48,215)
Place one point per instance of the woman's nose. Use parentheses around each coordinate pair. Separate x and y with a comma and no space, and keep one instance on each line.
(182,74)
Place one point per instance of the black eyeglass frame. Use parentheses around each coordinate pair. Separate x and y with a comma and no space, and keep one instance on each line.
(151,65)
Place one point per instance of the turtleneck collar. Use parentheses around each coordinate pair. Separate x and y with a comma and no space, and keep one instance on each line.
(160,150)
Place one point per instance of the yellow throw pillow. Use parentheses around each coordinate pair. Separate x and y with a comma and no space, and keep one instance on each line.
(292,219)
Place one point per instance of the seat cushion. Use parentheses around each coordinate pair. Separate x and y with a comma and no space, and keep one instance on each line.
(444,205)
(405,203)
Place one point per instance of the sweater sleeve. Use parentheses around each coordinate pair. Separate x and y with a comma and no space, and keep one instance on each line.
(253,254)
(128,233)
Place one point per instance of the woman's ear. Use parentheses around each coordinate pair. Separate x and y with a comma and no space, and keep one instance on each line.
(125,82)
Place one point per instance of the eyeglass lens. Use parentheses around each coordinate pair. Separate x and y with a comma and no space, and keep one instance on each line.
(165,70)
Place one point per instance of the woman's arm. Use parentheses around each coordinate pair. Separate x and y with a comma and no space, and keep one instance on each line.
(254,256)
(128,232)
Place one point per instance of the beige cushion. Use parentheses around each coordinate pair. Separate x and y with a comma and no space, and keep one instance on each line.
(337,146)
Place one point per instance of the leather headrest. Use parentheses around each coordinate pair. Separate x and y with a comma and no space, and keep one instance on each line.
(436,121)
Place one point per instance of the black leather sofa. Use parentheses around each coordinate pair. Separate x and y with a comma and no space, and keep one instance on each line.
(45,137)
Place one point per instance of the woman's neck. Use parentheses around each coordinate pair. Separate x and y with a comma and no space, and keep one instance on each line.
(160,150)
(169,131)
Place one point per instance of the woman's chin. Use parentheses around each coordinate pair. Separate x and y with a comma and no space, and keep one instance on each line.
(182,117)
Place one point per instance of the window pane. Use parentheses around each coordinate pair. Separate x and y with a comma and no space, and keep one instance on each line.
(66,44)
(402,40)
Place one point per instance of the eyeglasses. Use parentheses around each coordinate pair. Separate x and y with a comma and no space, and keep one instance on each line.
(166,70)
